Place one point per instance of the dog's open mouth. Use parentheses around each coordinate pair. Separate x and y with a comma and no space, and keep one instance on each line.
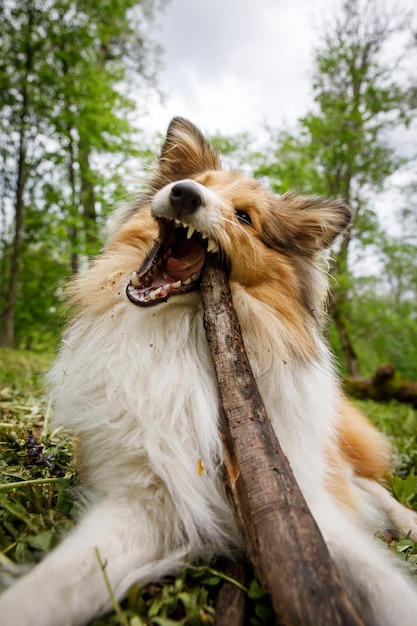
(173,266)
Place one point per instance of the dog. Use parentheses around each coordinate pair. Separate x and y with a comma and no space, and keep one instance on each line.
(135,380)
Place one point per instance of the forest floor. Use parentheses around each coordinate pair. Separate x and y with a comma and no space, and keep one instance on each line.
(37,477)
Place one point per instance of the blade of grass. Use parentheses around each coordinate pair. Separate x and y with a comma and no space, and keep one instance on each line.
(116,606)
(25,483)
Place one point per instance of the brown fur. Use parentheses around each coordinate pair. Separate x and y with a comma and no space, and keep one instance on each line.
(363,446)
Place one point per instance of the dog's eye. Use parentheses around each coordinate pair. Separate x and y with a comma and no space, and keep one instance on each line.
(243,217)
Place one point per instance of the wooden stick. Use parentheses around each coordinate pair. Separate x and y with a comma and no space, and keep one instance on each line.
(231,602)
(278,531)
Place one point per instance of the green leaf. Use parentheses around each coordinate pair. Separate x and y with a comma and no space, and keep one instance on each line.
(42,541)
(16,509)
(255,590)
(166,621)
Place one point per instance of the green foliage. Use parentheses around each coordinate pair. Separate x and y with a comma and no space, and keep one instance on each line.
(404,489)
(289,164)
(382,320)
(383,332)
(23,372)
(264,613)
(67,123)
(237,152)
(408,549)
(187,599)
(340,150)
(36,467)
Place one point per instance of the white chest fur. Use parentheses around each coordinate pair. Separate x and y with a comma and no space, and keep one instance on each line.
(139,385)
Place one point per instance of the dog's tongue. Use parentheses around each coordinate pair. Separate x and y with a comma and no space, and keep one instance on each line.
(187,258)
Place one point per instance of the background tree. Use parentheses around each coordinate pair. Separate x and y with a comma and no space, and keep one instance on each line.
(65,71)
(383,310)
(341,148)
(21,112)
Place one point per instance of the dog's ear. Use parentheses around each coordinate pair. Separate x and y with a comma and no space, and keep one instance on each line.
(306,224)
(185,153)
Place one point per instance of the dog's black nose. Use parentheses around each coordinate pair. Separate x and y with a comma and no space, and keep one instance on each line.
(185,198)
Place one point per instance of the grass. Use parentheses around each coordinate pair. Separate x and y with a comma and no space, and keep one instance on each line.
(37,467)
(37,477)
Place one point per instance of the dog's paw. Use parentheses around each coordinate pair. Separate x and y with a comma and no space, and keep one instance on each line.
(406,523)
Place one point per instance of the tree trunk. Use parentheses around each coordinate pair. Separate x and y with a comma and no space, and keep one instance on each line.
(349,353)
(8,314)
(272,516)
(73,227)
(88,199)
(7,317)
(338,301)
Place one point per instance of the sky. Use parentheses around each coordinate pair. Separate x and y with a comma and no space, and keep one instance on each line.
(241,65)
(233,65)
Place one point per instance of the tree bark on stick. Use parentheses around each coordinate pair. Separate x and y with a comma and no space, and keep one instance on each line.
(278,531)
(231,602)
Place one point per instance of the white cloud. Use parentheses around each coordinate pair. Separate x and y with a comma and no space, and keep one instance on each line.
(234,65)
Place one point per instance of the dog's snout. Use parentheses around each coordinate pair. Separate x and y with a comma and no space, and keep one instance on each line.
(185,198)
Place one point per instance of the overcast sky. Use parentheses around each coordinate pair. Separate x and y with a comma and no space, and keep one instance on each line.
(232,65)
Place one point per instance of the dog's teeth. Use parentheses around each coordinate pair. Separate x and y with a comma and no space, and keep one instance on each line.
(177,223)
(154,294)
(176,285)
(134,280)
(212,246)
(190,232)
(188,281)
(196,276)
(203,236)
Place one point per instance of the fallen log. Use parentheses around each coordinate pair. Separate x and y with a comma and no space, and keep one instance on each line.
(383,386)
(272,516)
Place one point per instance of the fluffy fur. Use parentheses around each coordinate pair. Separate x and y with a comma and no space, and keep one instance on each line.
(137,384)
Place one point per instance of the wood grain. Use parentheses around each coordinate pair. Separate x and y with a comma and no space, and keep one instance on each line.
(278,531)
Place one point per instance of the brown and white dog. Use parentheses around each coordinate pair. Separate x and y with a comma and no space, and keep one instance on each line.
(137,384)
